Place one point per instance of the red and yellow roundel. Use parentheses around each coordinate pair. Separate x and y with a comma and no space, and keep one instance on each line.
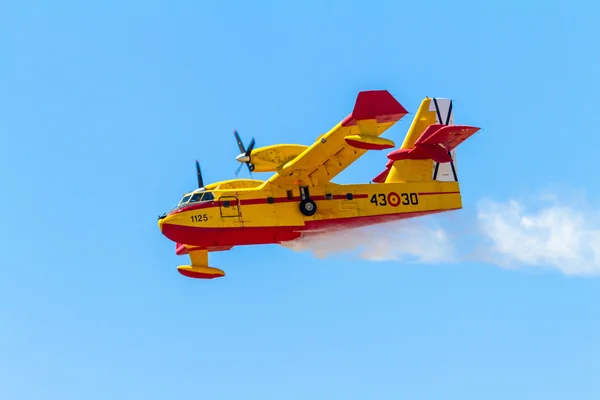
(393,199)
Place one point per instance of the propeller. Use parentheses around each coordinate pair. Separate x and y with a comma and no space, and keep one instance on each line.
(199,173)
(245,154)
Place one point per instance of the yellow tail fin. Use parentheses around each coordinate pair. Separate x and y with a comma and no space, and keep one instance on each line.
(428,151)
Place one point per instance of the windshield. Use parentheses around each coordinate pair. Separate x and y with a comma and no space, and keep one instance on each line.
(185,199)
(196,197)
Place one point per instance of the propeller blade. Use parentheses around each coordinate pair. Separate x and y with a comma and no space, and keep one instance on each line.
(199,173)
(239,141)
(250,147)
(245,151)
(237,171)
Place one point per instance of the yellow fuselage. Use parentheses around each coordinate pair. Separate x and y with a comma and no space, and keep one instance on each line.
(247,216)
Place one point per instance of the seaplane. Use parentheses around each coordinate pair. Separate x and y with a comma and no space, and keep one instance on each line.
(300,198)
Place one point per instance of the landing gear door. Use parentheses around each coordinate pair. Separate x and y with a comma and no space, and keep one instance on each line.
(229,207)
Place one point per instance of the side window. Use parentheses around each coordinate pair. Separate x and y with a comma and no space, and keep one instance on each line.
(208,196)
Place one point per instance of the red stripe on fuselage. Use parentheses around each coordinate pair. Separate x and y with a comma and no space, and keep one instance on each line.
(255,201)
(248,202)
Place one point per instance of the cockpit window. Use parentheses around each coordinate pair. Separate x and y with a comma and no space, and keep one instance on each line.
(185,199)
(196,197)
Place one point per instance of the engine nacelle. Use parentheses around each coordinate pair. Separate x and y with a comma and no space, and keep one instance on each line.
(234,184)
(269,158)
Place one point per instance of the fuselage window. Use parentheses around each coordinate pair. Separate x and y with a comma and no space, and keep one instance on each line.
(208,196)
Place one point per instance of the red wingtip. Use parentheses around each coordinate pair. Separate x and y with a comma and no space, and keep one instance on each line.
(375,104)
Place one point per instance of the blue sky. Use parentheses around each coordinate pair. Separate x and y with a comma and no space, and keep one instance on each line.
(105,106)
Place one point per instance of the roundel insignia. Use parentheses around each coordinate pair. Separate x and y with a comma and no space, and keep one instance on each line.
(393,199)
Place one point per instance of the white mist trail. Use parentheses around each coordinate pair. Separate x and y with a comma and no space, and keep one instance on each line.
(562,237)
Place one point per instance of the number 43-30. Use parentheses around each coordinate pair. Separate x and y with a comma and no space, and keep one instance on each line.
(394,199)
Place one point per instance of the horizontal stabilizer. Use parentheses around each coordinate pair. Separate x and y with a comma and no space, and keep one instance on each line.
(435,143)
(450,136)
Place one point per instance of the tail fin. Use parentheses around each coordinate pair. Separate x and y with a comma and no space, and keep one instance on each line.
(428,152)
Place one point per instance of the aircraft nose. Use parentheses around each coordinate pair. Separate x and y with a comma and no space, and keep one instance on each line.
(243,158)
(161,220)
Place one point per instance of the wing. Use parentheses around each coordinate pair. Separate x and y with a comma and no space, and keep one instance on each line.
(374,112)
